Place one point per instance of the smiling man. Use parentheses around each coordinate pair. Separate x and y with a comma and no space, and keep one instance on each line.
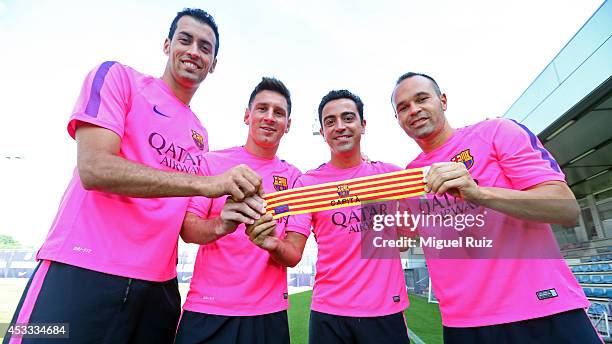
(108,265)
(521,290)
(357,297)
(238,294)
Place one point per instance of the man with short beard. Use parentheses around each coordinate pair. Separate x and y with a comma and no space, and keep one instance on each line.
(357,297)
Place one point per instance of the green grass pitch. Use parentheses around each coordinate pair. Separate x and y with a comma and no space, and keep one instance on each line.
(423,318)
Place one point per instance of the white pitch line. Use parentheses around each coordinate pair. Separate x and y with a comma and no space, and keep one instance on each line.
(414,338)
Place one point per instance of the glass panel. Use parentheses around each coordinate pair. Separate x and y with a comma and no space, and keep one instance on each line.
(605,215)
(565,235)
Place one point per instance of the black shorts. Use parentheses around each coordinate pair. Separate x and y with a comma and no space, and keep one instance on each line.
(98,307)
(568,327)
(196,327)
(329,329)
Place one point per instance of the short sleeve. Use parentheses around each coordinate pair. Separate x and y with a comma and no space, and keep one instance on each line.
(300,223)
(200,206)
(522,158)
(295,175)
(105,99)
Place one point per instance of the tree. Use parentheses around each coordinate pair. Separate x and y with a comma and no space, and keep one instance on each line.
(7,241)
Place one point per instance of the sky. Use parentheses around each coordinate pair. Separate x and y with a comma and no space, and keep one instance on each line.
(483,54)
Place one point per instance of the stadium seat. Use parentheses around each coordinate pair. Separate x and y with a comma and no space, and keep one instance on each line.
(586,268)
(607,279)
(574,268)
(584,278)
(604,267)
(588,292)
(599,292)
(596,279)
(609,293)
(597,308)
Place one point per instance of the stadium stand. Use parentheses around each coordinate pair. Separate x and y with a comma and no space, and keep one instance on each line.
(592,267)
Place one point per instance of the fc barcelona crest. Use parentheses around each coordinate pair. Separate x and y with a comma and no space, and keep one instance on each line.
(280,183)
(465,157)
(198,139)
(343,190)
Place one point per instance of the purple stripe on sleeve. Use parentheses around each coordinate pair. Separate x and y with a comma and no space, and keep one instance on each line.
(93,104)
(534,144)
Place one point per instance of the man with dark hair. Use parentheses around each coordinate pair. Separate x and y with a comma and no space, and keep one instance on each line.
(238,292)
(357,297)
(340,94)
(519,290)
(108,265)
(272,84)
(200,16)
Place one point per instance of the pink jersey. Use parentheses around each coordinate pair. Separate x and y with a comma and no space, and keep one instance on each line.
(232,276)
(346,283)
(522,275)
(120,235)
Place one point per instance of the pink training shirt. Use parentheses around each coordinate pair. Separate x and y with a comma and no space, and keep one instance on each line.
(345,283)
(120,235)
(523,276)
(232,276)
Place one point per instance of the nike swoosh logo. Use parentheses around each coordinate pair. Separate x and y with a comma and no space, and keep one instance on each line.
(159,113)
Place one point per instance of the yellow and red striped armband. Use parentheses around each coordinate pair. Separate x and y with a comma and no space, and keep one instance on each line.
(346,193)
